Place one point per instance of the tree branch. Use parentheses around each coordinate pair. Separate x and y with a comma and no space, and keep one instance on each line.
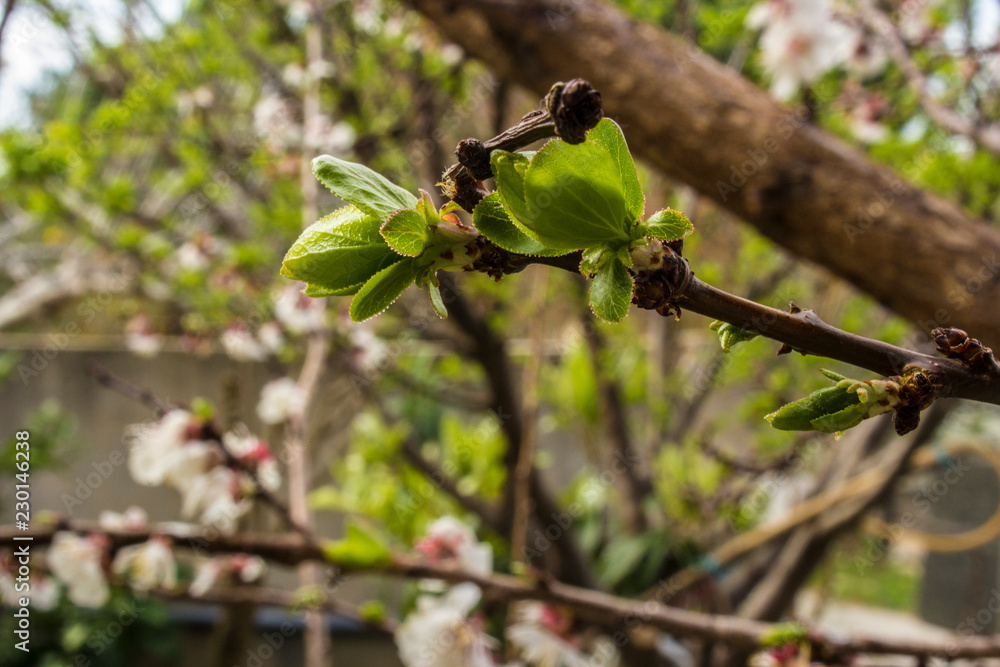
(588,604)
(699,122)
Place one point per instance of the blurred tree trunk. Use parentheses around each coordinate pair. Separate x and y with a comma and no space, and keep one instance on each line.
(703,124)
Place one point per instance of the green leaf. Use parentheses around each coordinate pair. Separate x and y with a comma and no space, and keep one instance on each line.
(781,634)
(492,221)
(836,377)
(847,418)
(575,198)
(358,550)
(357,184)
(800,415)
(730,335)
(406,232)
(437,303)
(508,172)
(593,259)
(318,291)
(668,225)
(339,252)
(621,557)
(381,290)
(611,292)
(610,137)
(373,611)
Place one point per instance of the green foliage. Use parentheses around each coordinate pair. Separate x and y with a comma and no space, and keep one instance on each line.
(340,252)
(357,184)
(406,232)
(730,335)
(491,219)
(611,291)
(668,225)
(575,198)
(69,635)
(837,408)
(52,438)
(359,549)
(781,634)
(382,289)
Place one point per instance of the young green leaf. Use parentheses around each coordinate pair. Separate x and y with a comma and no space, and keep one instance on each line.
(382,289)
(575,198)
(508,172)
(339,252)
(437,303)
(730,335)
(611,291)
(318,291)
(406,232)
(594,258)
(668,225)
(781,634)
(610,136)
(357,184)
(838,408)
(359,550)
(800,415)
(492,221)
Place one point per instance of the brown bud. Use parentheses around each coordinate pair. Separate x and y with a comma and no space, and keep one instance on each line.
(475,157)
(905,419)
(575,107)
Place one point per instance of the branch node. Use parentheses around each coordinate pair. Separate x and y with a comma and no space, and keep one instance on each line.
(956,344)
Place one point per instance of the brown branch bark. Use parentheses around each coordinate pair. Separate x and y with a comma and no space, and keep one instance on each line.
(701,123)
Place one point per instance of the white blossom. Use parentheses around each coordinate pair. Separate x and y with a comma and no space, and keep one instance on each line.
(801,41)
(541,635)
(275,120)
(203,97)
(368,351)
(270,337)
(148,565)
(255,454)
(140,338)
(321,69)
(322,134)
(240,345)
(438,633)
(452,54)
(144,345)
(214,499)
(43,593)
(298,313)
(247,567)
(280,400)
(77,563)
(154,447)
(190,256)
(448,539)
(205,577)
(294,75)
(133,518)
